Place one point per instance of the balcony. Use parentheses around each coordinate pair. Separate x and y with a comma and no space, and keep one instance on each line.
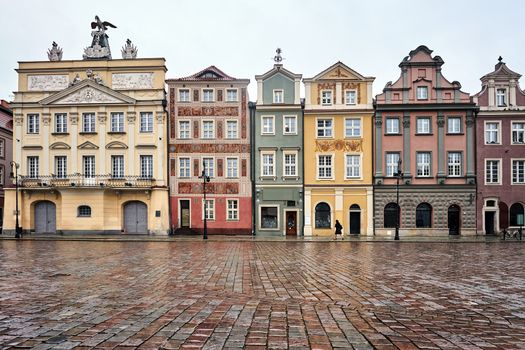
(78,180)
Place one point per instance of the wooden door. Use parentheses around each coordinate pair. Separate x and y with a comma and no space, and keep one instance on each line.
(291,223)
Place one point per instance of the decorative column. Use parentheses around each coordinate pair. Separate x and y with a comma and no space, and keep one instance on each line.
(17,141)
(101,166)
(46,161)
(378,121)
(160,176)
(131,143)
(369,211)
(73,122)
(512,92)
(471,173)
(441,147)
(338,93)
(492,93)
(307,212)
(406,145)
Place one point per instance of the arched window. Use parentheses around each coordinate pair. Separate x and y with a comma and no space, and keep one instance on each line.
(84,211)
(390,215)
(322,216)
(515,210)
(424,215)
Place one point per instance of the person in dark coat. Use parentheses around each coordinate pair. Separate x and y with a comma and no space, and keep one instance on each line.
(338,230)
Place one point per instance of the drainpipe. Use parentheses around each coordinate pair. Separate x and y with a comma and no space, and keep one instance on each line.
(168,122)
(374,103)
(302,173)
(251,106)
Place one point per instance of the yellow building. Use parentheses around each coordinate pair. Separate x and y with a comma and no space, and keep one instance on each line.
(90,143)
(338,152)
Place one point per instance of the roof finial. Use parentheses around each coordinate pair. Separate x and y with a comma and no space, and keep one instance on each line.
(500,59)
(278,58)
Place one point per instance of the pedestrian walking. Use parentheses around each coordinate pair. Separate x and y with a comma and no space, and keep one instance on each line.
(338,230)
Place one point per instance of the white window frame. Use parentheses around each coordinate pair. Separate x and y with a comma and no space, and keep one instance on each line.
(497,131)
(291,166)
(276,93)
(205,164)
(232,210)
(458,166)
(203,131)
(33,123)
(522,131)
(348,100)
(392,164)
(181,131)
(423,164)
(498,171)
(208,211)
(61,125)
(228,99)
(324,128)
(352,128)
(232,122)
(267,132)
(88,168)
(89,123)
(419,92)
(327,97)
(263,165)
(61,167)
(146,166)
(389,121)
(117,167)
(503,96)
(32,167)
(449,125)
(206,95)
(278,218)
(2,148)
(146,122)
(235,173)
(117,121)
(327,167)
(512,171)
(421,128)
(285,125)
(2,180)
(180,95)
(359,166)
(182,168)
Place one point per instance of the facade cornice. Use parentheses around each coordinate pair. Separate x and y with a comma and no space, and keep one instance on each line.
(426,107)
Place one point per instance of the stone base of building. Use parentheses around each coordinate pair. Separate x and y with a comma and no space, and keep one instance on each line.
(390,232)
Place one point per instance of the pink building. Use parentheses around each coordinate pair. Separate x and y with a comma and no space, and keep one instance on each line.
(425,124)
(6,151)
(500,128)
(209,131)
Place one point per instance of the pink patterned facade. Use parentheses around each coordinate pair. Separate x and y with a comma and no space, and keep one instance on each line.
(209,130)
(6,151)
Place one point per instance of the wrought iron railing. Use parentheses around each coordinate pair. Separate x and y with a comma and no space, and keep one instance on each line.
(79,180)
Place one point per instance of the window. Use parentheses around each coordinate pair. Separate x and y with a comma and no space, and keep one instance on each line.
(423,125)
(322,216)
(209,209)
(290,124)
(2,182)
(350,97)
(278,96)
(392,162)
(492,171)
(231,95)
(84,211)
(424,215)
(32,167)
(391,215)
(88,122)
(422,93)
(353,166)
(117,122)
(88,164)
(423,164)
(117,166)
(352,127)
(184,129)
(184,167)
(454,125)
(184,95)
(207,95)
(290,163)
(268,126)
(518,132)
(454,164)
(392,125)
(324,166)
(61,167)
(208,129)
(267,163)
(269,217)
(61,123)
(515,210)
(209,166)
(146,167)
(326,97)
(146,122)
(2,148)
(231,129)
(491,132)
(501,97)
(33,124)
(232,167)
(518,171)
(233,209)
(324,127)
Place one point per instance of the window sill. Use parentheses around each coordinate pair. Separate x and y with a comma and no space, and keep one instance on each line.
(354,137)
(267,134)
(83,216)
(424,134)
(87,133)
(146,132)
(454,134)
(232,220)
(518,143)
(492,144)
(424,177)
(59,133)
(393,134)
(325,179)
(116,132)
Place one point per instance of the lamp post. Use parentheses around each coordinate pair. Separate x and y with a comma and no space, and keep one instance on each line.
(205,178)
(14,175)
(398,176)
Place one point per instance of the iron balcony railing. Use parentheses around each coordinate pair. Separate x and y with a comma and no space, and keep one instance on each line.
(79,180)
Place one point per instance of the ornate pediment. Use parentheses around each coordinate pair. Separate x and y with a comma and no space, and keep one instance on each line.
(116,145)
(59,145)
(87,145)
(339,71)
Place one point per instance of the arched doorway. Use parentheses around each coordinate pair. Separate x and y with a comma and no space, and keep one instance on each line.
(516,214)
(453,219)
(135,218)
(45,217)
(355,219)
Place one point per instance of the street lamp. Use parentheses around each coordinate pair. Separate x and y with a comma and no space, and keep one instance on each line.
(398,176)
(205,178)
(14,175)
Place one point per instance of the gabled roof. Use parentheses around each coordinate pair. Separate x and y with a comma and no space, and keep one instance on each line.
(338,66)
(6,116)
(501,71)
(421,51)
(278,68)
(210,73)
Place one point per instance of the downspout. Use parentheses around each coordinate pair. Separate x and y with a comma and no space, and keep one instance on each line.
(374,103)
(251,106)
(302,172)
(164,105)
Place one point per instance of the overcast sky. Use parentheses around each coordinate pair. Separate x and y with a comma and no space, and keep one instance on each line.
(240,37)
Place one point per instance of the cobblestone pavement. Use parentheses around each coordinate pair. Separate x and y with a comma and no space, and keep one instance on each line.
(257,295)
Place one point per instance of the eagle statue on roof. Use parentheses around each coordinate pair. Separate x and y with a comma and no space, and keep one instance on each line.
(103,26)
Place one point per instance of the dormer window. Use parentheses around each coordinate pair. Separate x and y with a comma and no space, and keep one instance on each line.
(422,93)
(501,97)
(326,97)
(278,96)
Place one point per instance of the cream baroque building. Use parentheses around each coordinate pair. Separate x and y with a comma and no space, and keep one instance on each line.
(90,141)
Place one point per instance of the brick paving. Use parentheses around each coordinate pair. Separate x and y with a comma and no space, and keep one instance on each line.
(259,295)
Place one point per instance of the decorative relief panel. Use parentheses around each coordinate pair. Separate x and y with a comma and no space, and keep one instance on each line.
(47,82)
(243,168)
(207,111)
(172,168)
(196,167)
(172,113)
(211,148)
(243,113)
(88,95)
(128,81)
(339,145)
(195,95)
(219,167)
(219,129)
(195,129)
(219,95)
(212,187)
